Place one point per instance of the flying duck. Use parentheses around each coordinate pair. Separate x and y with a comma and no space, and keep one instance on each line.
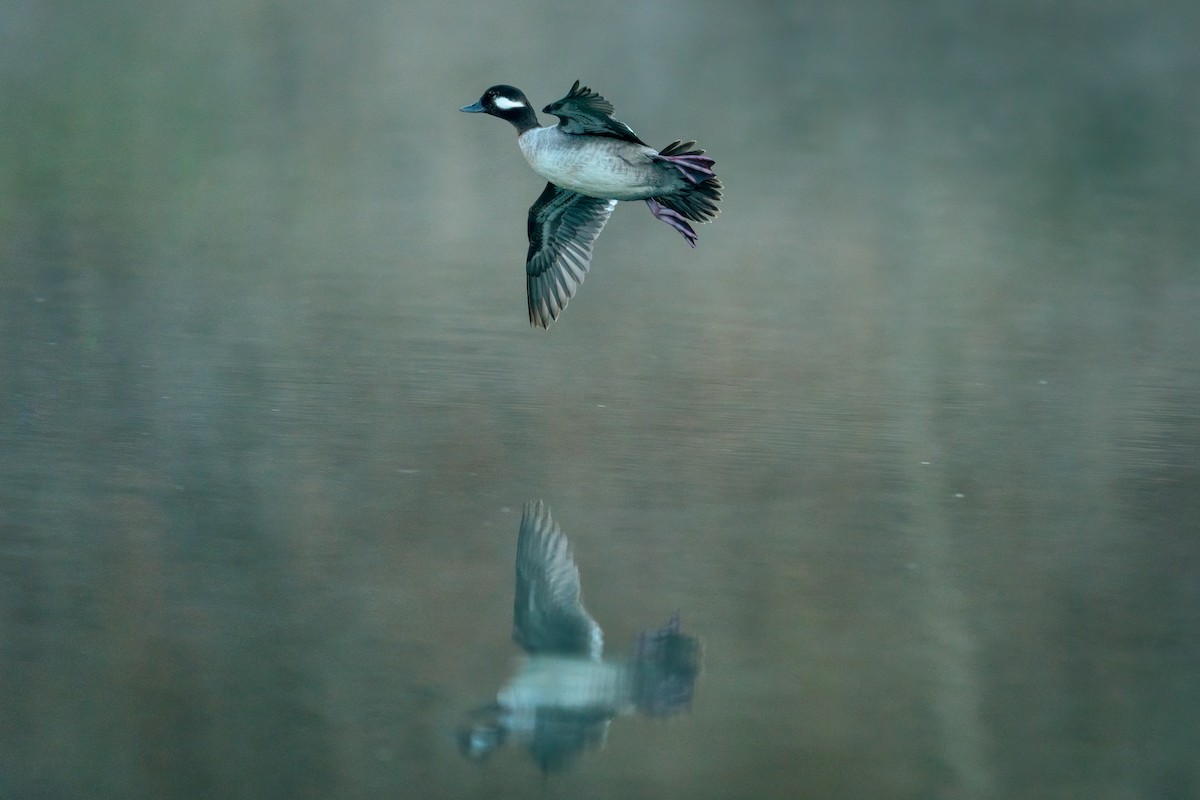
(565,692)
(591,161)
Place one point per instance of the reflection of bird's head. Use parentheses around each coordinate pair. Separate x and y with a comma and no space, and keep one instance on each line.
(481,740)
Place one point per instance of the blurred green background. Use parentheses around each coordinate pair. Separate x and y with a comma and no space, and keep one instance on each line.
(911,439)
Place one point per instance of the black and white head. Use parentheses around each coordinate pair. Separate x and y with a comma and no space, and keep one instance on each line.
(508,103)
(481,740)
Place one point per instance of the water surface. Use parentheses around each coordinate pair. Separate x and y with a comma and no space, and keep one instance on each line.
(910,439)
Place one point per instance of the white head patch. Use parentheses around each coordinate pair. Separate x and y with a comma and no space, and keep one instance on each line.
(504,104)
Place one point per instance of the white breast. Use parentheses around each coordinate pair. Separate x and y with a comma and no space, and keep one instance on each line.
(567,683)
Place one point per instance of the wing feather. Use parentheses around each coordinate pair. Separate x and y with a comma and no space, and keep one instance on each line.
(583,111)
(548,615)
(563,225)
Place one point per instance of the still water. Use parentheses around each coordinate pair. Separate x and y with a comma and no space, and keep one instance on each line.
(909,441)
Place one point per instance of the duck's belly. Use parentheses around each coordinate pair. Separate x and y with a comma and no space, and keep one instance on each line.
(567,683)
(592,165)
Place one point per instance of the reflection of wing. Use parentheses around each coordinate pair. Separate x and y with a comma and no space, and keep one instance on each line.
(559,736)
(584,111)
(562,227)
(548,616)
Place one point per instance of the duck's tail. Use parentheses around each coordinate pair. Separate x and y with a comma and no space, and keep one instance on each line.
(694,165)
(697,199)
(667,662)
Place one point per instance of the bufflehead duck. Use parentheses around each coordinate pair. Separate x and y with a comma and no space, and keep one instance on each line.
(565,693)
(591,161)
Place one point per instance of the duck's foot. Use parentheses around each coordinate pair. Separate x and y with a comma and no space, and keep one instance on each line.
(672,218)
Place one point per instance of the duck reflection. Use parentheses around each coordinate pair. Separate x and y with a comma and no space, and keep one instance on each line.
(564,693)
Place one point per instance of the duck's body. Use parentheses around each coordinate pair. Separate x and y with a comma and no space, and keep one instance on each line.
(592,161)
(568,683)
(597,166)
(565,691)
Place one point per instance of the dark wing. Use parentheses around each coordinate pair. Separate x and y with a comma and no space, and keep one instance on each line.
(584,111)
(560,735)
(548,616)
(562,227)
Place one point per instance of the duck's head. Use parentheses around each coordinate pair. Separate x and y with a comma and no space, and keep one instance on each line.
(508,103)
(480,740)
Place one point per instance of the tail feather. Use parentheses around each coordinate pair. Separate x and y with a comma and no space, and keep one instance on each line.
(697,200)
(692,164)
(697,203)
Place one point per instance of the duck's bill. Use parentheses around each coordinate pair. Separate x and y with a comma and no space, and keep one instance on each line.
(474,108)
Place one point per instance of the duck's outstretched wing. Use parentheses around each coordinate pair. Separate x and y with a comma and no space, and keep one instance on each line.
(548,616)
(584,111)
(562,227)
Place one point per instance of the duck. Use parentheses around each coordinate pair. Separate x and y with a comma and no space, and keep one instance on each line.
(565,691)
(591,161)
